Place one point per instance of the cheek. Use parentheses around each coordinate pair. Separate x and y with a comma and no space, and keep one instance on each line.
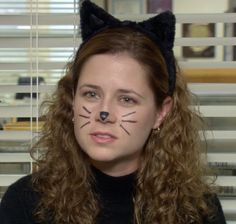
(82,117)
(146,117)
(142,129)
(142,126)
(138,136)
(81,134)
(146,121)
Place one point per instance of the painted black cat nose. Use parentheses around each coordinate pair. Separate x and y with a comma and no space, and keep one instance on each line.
(104,115)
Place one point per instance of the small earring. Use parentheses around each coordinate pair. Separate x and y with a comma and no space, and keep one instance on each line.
(155,131)
(73,119)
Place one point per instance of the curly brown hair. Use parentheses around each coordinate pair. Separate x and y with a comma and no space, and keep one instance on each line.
(170,180)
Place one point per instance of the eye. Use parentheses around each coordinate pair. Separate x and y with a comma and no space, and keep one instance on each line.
(127,100)
(90,94)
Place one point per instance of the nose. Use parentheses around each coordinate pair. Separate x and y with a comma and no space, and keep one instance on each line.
(105,113)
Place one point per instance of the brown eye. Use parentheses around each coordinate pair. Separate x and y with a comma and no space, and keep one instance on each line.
(91,95)
(127,100)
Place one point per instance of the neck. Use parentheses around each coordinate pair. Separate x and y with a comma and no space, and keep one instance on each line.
(115,170)
(106,185)
(115,196)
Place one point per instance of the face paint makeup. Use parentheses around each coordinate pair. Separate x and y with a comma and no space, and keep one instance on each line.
(124,129)
(129,121)
(84,116)
(85,124)
(129,114)
(104,115)
(86,110)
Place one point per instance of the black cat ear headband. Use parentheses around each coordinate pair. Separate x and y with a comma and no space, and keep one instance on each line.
(160,29)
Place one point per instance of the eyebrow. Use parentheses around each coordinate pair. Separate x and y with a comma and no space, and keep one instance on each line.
(130,91)
(124,91)
(90,86)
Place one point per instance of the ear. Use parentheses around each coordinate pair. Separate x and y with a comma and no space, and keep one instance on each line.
(93,19)
(163,27)
(163,111)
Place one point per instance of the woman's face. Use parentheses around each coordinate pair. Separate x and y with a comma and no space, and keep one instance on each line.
(114,88)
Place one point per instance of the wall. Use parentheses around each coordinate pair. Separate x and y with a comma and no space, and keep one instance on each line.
(201,6)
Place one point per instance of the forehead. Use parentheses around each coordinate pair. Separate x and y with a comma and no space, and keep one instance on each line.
(109,68)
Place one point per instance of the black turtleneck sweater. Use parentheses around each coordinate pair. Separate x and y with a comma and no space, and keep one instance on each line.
(115,195)
(116,198)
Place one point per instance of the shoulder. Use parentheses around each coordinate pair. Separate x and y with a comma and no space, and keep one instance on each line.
(19,202)
(218,214)
(21,190)
(23,183)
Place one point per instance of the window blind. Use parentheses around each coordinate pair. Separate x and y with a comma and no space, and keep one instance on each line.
(38,37)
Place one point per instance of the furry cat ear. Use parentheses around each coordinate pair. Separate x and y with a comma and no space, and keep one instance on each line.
(93,18)
(162,27)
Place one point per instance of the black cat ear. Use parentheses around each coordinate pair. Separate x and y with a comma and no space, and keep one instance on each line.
(93,19)
(161,26)
(161,29)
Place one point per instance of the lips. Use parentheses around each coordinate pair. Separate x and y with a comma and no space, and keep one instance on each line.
(103,137)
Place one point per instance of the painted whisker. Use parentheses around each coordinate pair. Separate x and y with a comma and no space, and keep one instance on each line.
(125,115)
(130,121)
(86,110)
(85,124)
(124,129)
(81,115)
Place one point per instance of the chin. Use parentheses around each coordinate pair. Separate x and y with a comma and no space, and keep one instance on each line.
(101,156)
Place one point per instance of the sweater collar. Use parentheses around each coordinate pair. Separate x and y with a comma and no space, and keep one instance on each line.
(114,189)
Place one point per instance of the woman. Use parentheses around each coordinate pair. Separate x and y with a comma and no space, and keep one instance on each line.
(120,143)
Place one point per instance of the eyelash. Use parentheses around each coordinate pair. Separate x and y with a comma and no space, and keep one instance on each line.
(90,94)
(128,100)
(123,99)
